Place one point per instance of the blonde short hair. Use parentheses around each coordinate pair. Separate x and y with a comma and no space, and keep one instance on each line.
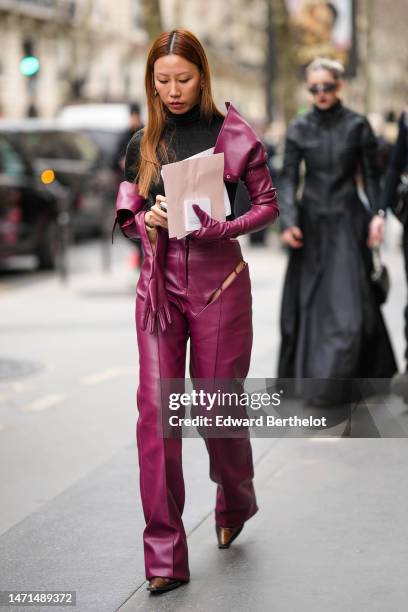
(335,67)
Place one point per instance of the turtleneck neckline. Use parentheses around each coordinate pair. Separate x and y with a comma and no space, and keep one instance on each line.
(327,113)
(190,116)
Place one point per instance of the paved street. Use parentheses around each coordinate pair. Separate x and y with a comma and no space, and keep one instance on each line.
(331,531)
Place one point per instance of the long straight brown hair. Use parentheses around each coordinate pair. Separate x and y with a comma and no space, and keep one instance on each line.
(179,42)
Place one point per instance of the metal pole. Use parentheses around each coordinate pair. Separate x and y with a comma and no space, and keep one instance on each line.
(64,230)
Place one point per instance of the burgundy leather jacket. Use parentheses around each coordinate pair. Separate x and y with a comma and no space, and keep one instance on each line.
(244,158)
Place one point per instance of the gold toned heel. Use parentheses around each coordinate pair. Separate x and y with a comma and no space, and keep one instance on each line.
(226,535)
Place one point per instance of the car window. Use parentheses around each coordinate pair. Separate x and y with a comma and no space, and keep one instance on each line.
(58,145)
(10,161)
(106,141)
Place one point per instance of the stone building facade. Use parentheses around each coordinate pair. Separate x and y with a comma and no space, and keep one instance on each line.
(96,50)
(87,49)
(233,34)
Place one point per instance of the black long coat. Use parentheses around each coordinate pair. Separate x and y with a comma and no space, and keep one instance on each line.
(331,323)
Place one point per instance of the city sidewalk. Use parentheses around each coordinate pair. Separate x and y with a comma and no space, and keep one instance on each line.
(330,534)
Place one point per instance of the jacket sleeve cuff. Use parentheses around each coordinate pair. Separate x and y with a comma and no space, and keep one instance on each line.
(140,229)
(128,203)
(257,218)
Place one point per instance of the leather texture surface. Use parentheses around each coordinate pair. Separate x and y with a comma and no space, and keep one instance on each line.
(128,203)
(244,157)
(220,335)
(335,146)
(173,304)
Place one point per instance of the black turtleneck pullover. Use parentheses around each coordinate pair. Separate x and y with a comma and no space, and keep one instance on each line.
(185,135)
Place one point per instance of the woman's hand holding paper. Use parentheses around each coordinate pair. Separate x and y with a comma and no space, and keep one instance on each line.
(156,217)
(210,228)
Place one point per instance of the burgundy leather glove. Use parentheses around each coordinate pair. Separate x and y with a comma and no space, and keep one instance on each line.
(156,308)
(259,217)
(128,203)
(130,215)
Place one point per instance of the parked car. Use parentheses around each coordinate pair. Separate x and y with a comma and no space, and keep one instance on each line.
(29,209)
(104,124)
(109,116)
(77,163)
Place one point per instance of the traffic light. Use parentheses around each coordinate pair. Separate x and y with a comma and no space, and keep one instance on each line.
(30,64)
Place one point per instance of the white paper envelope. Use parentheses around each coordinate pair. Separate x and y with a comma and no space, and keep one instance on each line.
(191,221)
(206,153)
(195,178)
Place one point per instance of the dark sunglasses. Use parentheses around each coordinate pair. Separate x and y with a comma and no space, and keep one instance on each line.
(322,87)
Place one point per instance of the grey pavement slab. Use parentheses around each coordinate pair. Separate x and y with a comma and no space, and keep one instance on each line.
(330,536)
(89,538)
(86,539)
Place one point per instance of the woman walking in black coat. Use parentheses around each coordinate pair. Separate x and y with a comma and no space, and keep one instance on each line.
(331,323)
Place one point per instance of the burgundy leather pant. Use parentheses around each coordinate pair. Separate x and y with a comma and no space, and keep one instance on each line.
(220,335)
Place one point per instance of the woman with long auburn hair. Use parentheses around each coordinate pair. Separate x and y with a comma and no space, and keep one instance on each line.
(196,288)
